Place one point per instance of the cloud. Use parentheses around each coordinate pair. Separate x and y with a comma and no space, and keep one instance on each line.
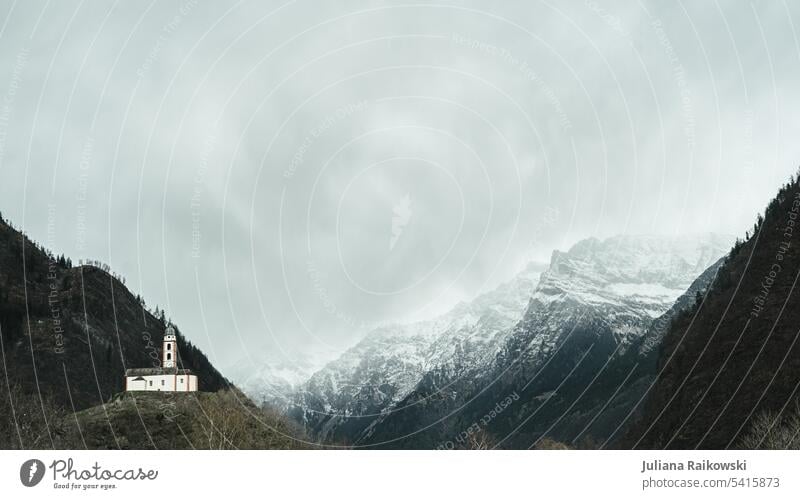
(249,159)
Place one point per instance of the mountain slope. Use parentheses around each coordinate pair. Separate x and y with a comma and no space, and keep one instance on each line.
(345,399)
(573,367)
(735,355)
(271,376)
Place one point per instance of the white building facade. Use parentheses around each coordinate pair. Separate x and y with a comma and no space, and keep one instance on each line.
(167,378)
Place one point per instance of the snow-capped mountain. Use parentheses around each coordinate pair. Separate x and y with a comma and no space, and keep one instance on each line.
(620,284)
(595,303)
(344,398)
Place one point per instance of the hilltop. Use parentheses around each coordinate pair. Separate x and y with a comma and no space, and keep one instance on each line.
(163,420)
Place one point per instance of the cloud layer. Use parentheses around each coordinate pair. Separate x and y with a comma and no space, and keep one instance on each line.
(287,174)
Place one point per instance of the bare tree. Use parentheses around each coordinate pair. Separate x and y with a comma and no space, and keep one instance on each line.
(771,430)
(480,440)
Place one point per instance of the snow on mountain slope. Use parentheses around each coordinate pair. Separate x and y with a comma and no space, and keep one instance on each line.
(271,376)
(623,281)
(369,379)
(613,289)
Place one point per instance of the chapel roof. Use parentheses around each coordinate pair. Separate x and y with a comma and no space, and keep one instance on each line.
(155,371)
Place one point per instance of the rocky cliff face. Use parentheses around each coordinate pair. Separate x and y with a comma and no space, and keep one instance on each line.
(613,288)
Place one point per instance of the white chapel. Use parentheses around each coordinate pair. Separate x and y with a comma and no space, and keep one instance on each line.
(167,378)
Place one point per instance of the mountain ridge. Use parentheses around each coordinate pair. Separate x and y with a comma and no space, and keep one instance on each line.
(559,356)
(615,275)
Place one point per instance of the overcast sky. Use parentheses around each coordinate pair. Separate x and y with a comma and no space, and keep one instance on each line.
(286,174)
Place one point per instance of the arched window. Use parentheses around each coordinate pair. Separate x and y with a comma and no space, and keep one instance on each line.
(169,356)
(169,346)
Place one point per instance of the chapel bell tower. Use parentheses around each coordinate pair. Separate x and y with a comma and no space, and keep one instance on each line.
(169,352)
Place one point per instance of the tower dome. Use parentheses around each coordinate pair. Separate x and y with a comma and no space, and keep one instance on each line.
(169,333)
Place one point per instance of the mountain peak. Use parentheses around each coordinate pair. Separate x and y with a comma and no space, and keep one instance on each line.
(671,260)
(633,275)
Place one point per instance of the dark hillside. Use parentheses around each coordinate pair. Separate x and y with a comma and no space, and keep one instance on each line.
(70,332)
(735,355)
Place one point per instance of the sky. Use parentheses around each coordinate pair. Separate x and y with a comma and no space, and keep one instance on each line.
(286,175)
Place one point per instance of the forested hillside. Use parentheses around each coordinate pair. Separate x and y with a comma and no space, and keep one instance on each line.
(734,358)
